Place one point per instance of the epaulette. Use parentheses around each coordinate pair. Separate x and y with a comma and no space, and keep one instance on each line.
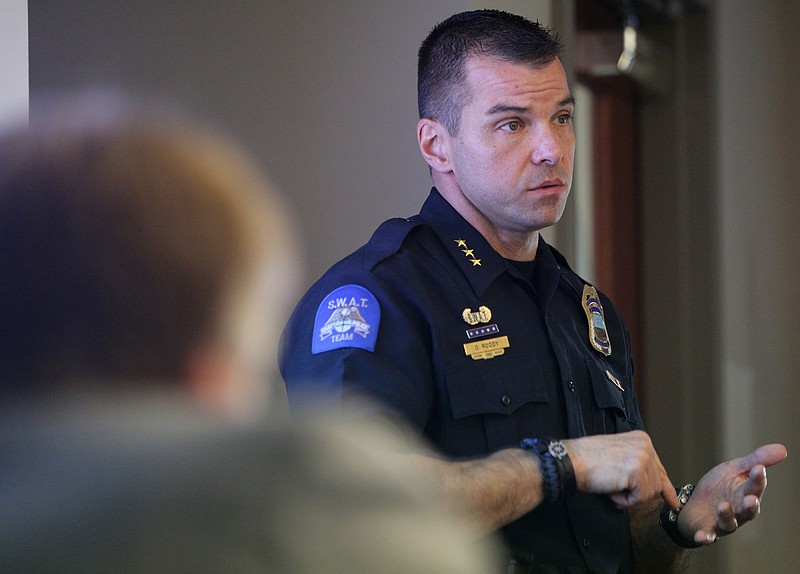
(388,238)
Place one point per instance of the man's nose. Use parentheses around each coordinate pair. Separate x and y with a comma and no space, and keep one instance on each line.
(547,147)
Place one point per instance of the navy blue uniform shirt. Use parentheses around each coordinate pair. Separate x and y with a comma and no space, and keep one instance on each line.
(477,353)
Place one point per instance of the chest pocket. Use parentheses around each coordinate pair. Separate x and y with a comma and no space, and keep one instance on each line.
(611,415)
(485,394)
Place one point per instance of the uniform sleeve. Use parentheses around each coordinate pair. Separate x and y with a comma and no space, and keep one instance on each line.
(336,349)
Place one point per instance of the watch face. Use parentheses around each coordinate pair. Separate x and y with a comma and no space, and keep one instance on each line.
(557,449)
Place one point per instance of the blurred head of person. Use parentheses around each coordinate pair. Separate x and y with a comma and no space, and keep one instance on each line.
(141,257)
(137,248)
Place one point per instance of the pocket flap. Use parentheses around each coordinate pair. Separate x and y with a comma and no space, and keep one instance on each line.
(607,394)
(494,386)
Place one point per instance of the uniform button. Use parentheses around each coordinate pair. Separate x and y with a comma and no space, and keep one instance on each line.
(506,400)
(571,386)
(586,543)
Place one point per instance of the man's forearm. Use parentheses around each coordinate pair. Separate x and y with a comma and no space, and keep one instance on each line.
(653,550)
(509,483)
(494,490)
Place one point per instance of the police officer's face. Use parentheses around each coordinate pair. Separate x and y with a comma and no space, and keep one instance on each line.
(512,157)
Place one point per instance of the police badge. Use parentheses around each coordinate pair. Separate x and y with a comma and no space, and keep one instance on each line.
(598,336)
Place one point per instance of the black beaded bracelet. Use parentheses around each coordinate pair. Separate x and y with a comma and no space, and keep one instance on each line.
(668,518)
(566,471)
(557,470)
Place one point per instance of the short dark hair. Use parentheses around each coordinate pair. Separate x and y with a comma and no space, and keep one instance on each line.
(441,81)
(122,239)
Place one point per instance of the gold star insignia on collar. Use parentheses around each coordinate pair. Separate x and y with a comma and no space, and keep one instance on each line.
(469,253)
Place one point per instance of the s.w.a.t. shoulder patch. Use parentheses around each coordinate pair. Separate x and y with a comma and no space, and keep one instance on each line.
(348,316)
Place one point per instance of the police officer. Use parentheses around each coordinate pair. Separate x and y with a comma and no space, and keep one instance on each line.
(465,323)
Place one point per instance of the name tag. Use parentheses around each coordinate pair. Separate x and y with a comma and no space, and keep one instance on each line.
(487,348)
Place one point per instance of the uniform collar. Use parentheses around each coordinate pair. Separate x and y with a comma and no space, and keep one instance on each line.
(479,262)
(547,273)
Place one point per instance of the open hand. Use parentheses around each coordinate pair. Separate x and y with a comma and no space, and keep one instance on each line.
(728,495)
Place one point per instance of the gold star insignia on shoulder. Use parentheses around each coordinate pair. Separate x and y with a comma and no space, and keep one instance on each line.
(461,243)
(475,262)
(467,252)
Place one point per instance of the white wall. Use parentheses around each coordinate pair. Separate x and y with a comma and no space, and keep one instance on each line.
(721,216)
(323,92)
(13,60)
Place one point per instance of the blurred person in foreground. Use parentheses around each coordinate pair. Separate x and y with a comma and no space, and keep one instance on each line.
(145,266)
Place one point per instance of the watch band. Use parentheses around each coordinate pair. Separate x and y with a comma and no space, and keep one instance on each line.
(668,518)
(558,451)
(557,470)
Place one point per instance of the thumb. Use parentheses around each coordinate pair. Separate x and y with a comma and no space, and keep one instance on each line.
(767,455)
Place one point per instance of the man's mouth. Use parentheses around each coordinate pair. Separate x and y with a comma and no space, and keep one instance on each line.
(548,184)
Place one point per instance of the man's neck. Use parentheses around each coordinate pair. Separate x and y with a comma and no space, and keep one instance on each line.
(515,246)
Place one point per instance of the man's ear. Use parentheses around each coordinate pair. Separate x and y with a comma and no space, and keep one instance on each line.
(434,143)
(222,381)
(210,373)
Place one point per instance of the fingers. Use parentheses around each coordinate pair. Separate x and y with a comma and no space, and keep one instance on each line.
(726,523)
(756,481)
(750,505)
(726,519)
(766,455)
(651,481)
(654,479)
(622,499)
(668,493)
(624,466)
(705,537)
(750,509)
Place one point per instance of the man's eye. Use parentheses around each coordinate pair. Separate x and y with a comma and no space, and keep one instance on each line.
(512,126)
(564,118)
